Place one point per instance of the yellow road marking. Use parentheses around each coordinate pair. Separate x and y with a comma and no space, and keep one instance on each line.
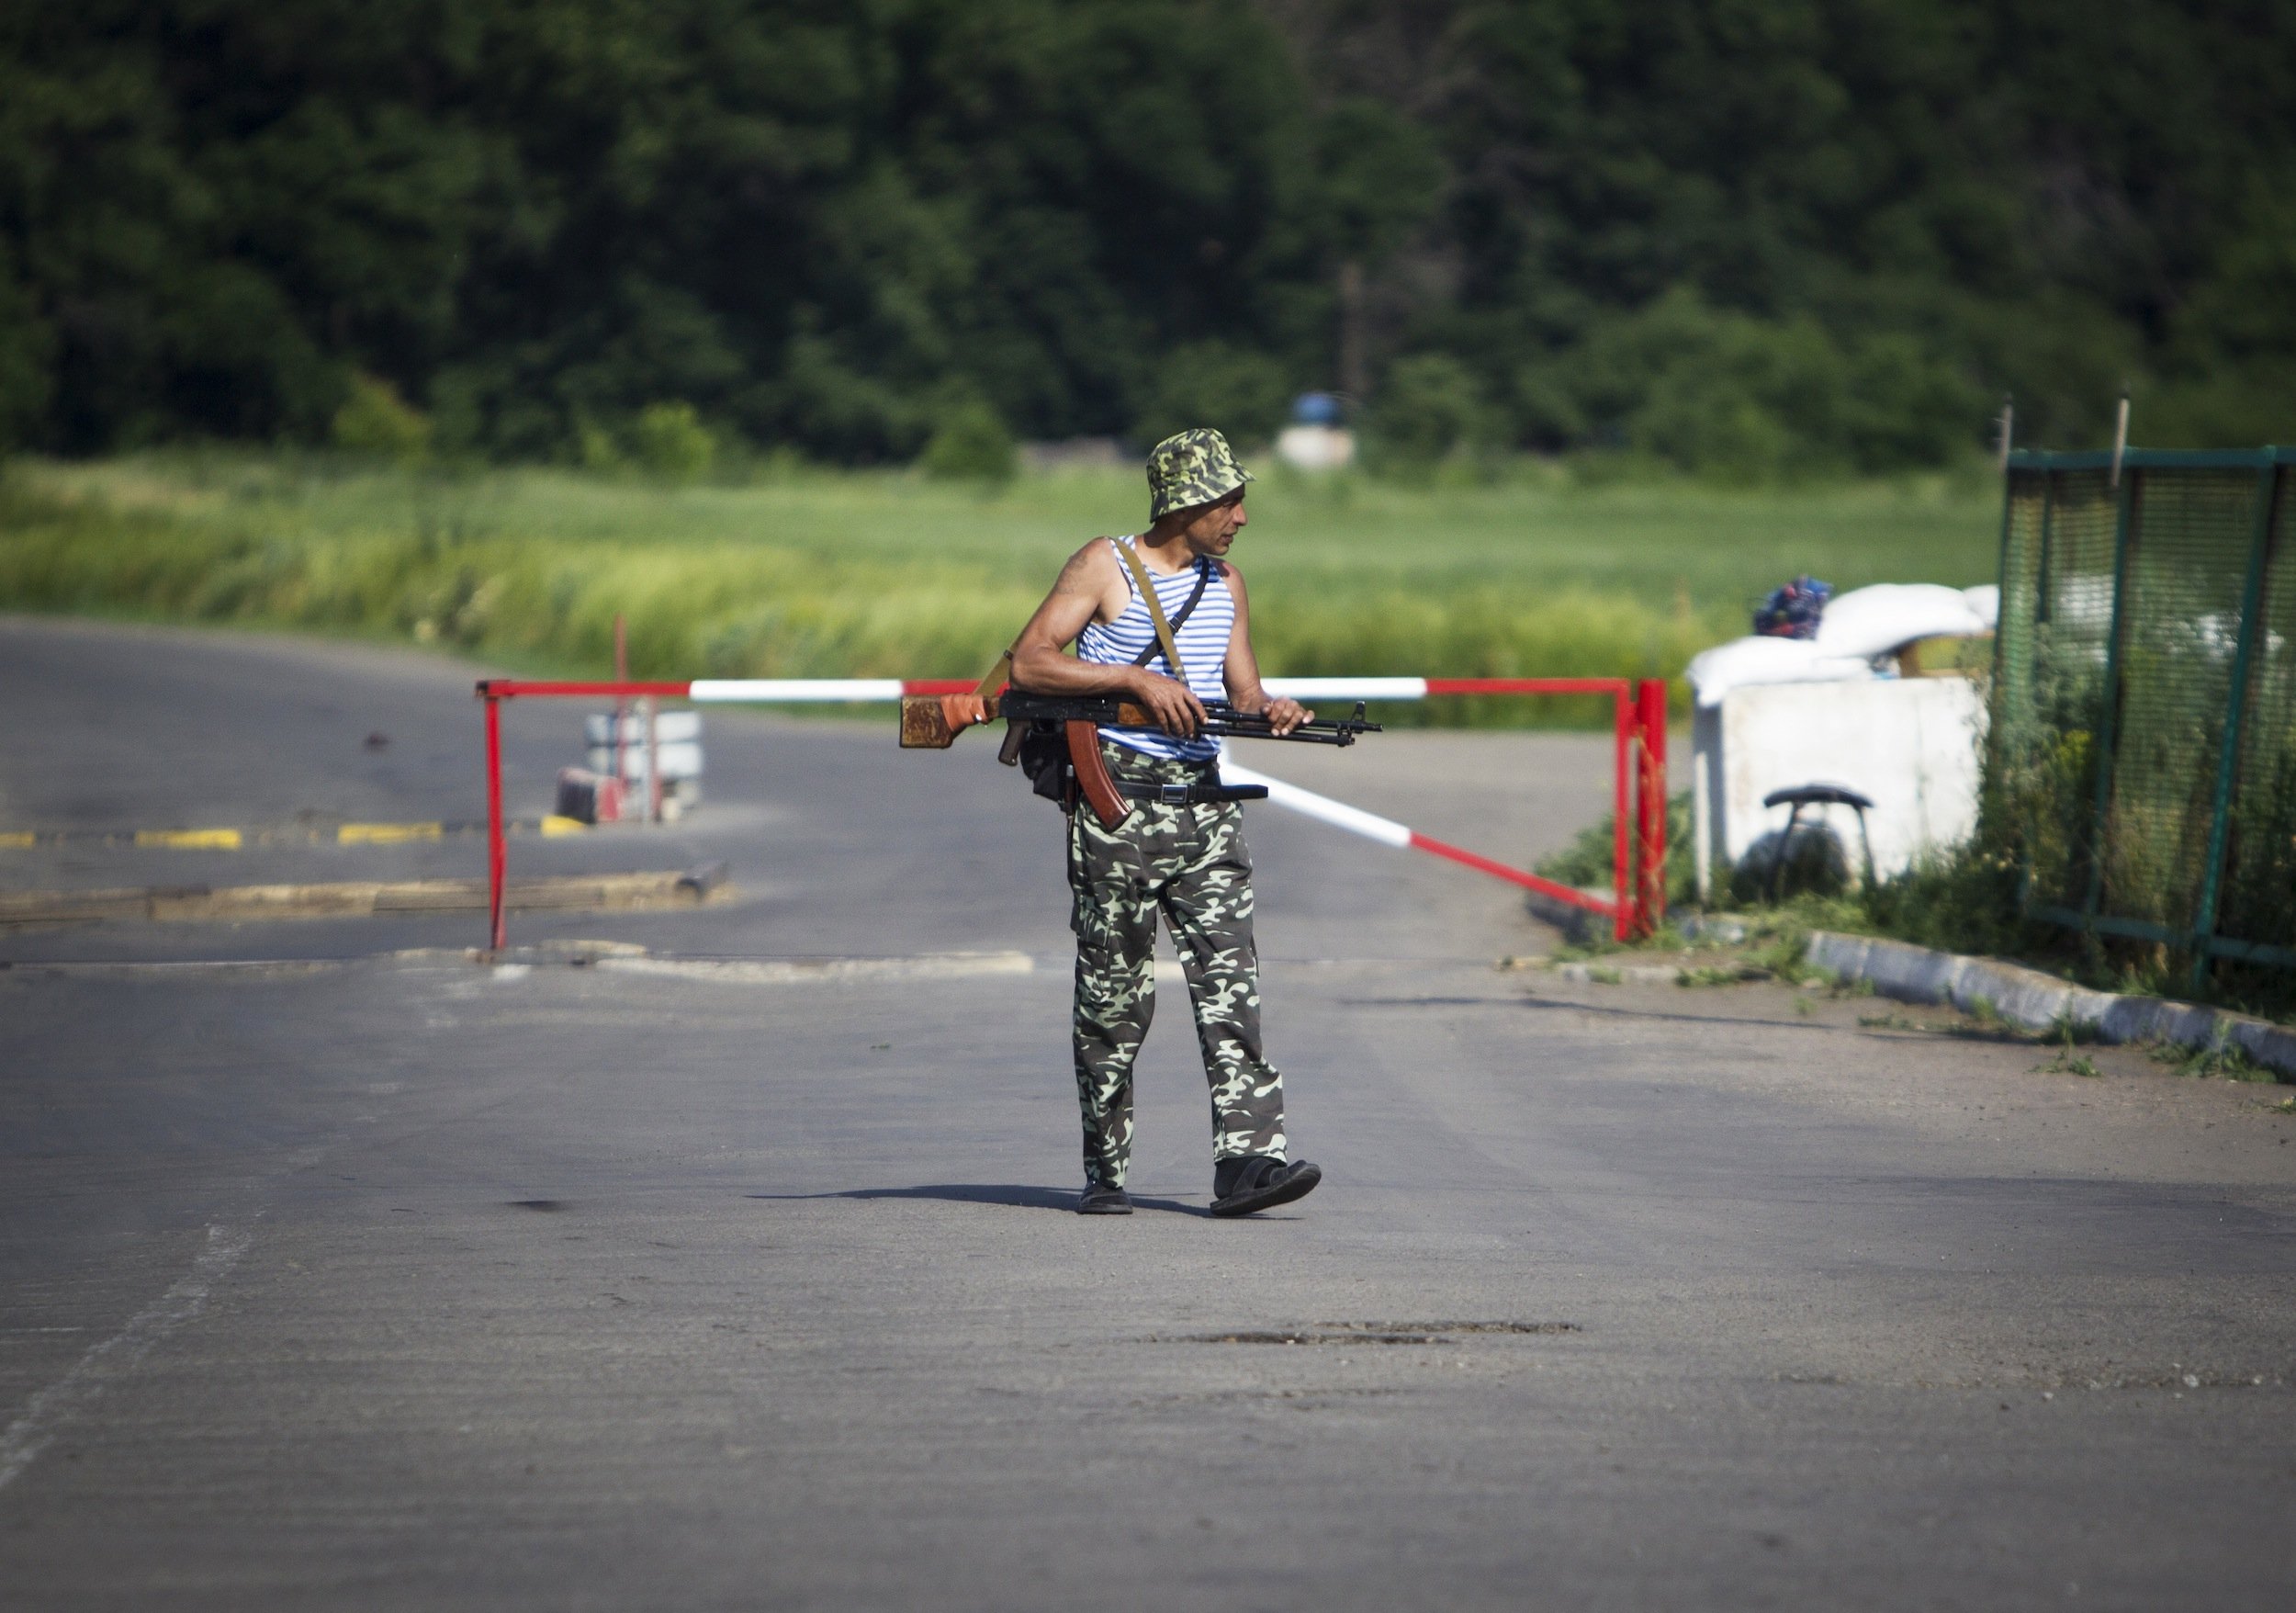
(234,840)
(190,839)
(386,834)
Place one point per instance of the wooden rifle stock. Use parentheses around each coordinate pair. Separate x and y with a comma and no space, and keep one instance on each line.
(932,722)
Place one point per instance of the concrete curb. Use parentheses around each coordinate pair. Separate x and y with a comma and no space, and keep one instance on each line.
(2036,1001)
(1602,973)
(1617,974)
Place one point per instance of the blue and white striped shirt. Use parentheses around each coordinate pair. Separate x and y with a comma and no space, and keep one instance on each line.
(1202,639)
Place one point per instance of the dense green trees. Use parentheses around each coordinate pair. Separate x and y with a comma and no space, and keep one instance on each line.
(1743,236)
(1841,228)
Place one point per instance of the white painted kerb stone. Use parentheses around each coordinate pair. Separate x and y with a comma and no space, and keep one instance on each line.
(2035,1002)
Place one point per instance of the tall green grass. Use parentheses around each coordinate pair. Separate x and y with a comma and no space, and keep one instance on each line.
(801,573)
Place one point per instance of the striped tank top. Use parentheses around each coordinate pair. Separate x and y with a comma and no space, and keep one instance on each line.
(1202,638)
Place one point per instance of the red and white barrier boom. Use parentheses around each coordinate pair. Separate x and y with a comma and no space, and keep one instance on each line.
(1638,898)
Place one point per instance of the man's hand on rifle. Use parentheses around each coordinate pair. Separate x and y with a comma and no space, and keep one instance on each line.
(1173,705)
(1285,714)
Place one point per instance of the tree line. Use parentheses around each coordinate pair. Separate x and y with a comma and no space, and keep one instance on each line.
(1749,237)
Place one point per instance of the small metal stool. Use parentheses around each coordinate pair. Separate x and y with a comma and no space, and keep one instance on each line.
(1803,795)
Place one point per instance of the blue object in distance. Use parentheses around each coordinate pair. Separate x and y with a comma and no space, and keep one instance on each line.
(1794,610)
(1315,408)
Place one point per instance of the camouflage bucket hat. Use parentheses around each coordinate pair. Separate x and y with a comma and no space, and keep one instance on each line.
(1194,468)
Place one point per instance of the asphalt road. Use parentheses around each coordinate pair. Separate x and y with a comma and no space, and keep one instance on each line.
(363,1276)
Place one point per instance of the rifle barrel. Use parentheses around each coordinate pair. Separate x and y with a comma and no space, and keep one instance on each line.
(1222,720)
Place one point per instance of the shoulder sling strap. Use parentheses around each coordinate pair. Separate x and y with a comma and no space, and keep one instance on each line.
(1165,629)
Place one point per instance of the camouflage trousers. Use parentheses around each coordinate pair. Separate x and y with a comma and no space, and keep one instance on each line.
(1188,864)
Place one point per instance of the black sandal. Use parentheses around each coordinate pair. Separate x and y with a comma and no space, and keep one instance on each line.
(1261,1182)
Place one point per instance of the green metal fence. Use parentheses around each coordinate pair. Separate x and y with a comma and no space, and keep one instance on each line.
(2145,689)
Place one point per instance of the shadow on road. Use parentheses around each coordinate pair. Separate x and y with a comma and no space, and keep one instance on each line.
(1014,1194)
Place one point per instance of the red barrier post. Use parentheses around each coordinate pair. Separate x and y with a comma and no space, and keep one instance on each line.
(1651,806)
(498,853)
(1623,924)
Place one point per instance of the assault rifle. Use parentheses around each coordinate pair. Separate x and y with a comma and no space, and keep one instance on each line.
(933,722)
(1220,720)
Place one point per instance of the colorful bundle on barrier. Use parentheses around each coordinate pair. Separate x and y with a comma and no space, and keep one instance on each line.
(1793,611)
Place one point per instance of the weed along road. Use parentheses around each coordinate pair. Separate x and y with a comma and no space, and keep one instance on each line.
(720,1254)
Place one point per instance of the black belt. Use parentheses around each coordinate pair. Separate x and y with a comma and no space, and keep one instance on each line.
(1191,794)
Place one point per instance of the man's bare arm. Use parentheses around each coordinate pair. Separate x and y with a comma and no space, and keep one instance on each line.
(1241,668)
(1087,585)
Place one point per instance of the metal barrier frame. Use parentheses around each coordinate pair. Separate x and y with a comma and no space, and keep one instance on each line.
(1635,906)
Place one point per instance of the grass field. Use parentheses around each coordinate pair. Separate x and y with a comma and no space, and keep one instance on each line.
(817,573)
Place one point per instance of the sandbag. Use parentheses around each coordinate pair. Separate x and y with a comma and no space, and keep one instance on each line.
(1868,622)
(1715,672)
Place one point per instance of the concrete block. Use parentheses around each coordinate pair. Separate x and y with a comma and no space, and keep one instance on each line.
(1909,745)
(681,726)
(2273,1046)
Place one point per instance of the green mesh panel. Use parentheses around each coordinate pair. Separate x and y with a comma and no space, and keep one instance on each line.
(2192,527)
(2189,534)
(2056,780)
(2257,902)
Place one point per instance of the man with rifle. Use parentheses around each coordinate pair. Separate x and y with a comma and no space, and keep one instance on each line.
(1162,625)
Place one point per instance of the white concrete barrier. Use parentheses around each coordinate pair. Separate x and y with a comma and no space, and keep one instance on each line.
(1909,745)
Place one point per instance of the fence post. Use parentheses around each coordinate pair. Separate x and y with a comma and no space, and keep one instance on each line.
(2043,555)
(653,759)
(2011,699)
(2235,712)
(497,853)
(1652,896)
